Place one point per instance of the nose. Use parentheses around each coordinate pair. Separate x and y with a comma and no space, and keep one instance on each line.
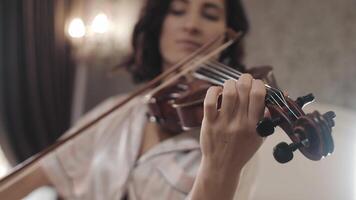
(192,23)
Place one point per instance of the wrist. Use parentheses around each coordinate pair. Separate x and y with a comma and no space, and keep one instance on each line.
(214,182)
(220,167)
(221,174)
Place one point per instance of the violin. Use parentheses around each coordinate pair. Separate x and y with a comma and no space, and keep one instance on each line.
(178,107)
(175,101)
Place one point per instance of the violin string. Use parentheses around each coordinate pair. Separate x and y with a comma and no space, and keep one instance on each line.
(281,96)
(274,91)
(221,65)
(266,85)
(218,73)
(209,76)
(215,79)
(238,74)
(213,75)
(225,69)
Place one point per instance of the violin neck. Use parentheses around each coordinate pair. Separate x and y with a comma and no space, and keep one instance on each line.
(217,73)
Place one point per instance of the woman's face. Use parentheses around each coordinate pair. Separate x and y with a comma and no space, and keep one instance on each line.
(189,24)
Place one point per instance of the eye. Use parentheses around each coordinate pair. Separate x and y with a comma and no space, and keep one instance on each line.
(211,16)
(178,8)
(211,12)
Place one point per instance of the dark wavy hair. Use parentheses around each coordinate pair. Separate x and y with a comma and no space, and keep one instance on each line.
(146,61)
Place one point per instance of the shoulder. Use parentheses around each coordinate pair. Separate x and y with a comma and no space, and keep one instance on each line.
(108,107)
(101,108)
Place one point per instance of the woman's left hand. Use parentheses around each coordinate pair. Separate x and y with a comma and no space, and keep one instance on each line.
(228,136)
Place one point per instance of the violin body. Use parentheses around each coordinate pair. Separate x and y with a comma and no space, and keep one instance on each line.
(179,106)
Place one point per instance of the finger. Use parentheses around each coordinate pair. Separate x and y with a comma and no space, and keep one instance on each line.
(243,88)
(210,103)
(229,98)
(257,97)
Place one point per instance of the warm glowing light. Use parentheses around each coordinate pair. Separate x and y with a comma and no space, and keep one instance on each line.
(76,28)
(100,23)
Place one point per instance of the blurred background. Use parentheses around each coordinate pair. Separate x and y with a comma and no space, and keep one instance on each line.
(58,59)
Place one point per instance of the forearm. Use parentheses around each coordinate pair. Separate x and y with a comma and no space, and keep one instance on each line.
(24,183)
(215,182)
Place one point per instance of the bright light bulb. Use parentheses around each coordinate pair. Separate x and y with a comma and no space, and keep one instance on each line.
(100,23)
(76,28)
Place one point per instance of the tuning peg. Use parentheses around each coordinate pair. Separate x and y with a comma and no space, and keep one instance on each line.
(329,116)
(266,126)
(283,152)
(302,101)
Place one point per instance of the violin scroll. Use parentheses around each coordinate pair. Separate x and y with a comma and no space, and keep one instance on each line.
(310,133)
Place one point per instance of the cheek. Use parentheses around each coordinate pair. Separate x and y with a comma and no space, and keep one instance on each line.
(168,49)
(213,30)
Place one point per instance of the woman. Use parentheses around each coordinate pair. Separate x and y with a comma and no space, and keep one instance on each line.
(127,156)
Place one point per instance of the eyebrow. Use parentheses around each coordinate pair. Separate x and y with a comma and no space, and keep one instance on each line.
(212,5)
(184,1)
(207,4)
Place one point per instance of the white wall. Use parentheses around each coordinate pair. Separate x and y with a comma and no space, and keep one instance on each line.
(310,43)
(332,178)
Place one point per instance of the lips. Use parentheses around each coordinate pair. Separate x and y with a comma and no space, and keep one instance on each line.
(189,45)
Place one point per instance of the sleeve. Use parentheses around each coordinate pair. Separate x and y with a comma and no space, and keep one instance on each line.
(68,165)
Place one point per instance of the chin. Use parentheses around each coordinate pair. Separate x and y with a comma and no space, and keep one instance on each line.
(182,54)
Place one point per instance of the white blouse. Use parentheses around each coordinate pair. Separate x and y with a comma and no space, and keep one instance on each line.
(102,163)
